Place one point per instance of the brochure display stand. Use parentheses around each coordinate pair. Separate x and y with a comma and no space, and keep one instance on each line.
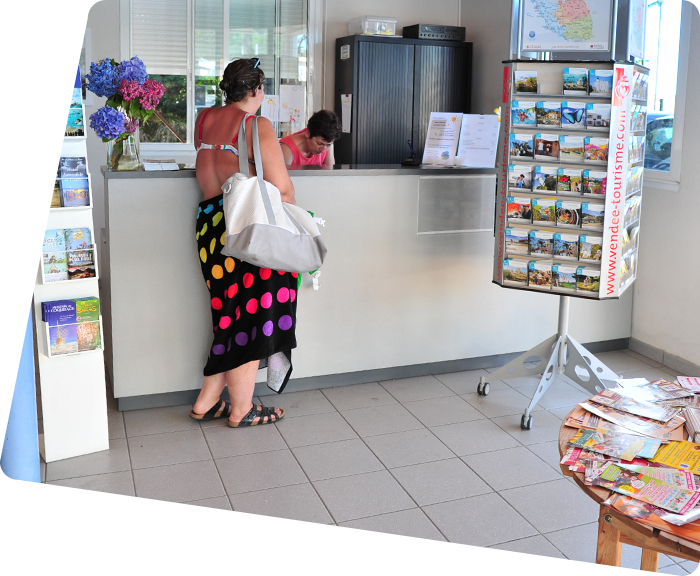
(569,199)
(73,393)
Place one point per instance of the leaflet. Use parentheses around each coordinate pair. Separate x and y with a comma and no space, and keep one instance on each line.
(612,399)
(684,525)
(615,444)
(692,384)
(442,137)
(682,455)
(478,141)
(577,459)
(679,478)
(644,426)
(655,391)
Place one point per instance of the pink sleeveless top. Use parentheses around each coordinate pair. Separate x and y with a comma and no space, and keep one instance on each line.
(298,158)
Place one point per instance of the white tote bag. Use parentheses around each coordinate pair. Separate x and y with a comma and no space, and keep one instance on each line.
(260,228)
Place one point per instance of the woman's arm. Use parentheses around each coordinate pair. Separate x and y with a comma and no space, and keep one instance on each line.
(274,167)
(287,152)
(330,157)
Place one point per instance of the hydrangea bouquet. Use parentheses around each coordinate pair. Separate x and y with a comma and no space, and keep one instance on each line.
(131,100)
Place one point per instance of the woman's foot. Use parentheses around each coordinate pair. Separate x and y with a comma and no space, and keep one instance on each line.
(221,409)
(254,415)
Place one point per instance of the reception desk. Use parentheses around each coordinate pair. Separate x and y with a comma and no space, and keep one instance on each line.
(406,288)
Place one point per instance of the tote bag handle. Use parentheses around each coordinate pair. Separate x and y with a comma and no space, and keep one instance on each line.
(245,170)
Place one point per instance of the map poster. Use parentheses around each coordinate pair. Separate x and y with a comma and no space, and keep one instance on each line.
(566,25)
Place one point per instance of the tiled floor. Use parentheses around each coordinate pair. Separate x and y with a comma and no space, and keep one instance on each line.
(424,457)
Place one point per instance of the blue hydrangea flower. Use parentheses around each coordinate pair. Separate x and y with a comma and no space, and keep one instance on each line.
(133,70)
(104,78)
(108,122)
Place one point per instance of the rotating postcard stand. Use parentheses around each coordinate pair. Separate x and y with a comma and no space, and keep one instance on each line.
(565,356)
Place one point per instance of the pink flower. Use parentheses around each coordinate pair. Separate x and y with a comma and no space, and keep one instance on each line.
(130,90)
(151,93)
(131,125)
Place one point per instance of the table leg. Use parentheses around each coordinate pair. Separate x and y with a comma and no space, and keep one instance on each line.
(650,560)
(609,549)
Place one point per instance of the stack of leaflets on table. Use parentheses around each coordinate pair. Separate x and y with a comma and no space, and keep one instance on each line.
(689,402)
(616,444)
(594,182)
(592,215)
(587,279)
(541,243)
(516,241)
(655,391)
(524,113)
(624,403)
(564,277)
(520,176)
(545,178)
(692,423)
(573,115)
(639,424)
(681,454)
(569,180)
(568,214)
(595,149)
(543,211)
(540,274)
(647,489)
(590,247)
(598,115)
(575,81)
(566,246)
(546,146)
(49,191)
(521,145)
(571,148)
(515,271)
(689,383)
(548,113)
(525,82)
(519,209)
(600,82)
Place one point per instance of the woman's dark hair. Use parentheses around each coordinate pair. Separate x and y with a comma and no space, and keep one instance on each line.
(325,124)
(240,77)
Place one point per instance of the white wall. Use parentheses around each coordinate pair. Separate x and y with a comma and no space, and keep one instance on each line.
(666,312)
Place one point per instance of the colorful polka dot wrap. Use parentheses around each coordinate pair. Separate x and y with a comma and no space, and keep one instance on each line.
(253,309)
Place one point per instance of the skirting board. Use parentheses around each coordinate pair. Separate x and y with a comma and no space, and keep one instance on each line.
(679,365)
(331,380)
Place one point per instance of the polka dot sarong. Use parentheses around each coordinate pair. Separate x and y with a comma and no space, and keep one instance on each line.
(253,309)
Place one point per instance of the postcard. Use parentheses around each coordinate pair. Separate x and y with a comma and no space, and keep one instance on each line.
(573,115)
(568,214)
(515,271)
(569,180)
(571,148)
(525,82)
(541,242)
(564,277)
(520,176)
(523,113)
(546,146)
(548,113)
(592,215)
(545,178)
(519,209)
(543,211)
(600,82)
(522,145)
(587,279)
(624,403)
(540,274)
(575,81)
(566,246)
(594,182)
(517,241)
(598,115)
(595,149)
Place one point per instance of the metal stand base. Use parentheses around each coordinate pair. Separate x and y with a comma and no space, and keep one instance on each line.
(564,356)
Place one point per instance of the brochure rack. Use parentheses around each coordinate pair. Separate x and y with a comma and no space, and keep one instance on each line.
(73,398)
(602,271)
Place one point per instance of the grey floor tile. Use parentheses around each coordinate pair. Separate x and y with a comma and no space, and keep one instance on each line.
(316,429)
(641,357)
(479,521)
(159,420)
(545,427)
(445,410)
(335,459)
(320,551)
(116,459)
(447,566)
(492,467)
(467,381)
(579,544)
(167,449)
(189,525)
(299,403)
(358,396)
(549,452)
(499,402)
(180,482)
(553,505)
(260,471)
(89,496)
(115,424)
(362,495)
(20,545)
(527,556)
(395,539)
(230,559)
(409,447)
(562,413)
(82,542)
(18,511)
(620,362)
(441,481)
(418,388)
(474,437)
(297,502)
(381,420)
(224,441)
(558,395)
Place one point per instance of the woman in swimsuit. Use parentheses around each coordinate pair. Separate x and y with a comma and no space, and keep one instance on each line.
(253,309)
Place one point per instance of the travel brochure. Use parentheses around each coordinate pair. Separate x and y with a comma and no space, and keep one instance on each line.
(593,215)
(590,247)
(546,146)
(541,243)
(587,279)
(548,113)
(525,82)
(519,210)
(520,176)
(594,182)
(522,145)
(566,246)
(515,271)
(540,274)
(569,181)
(568,213)
(573,115)
(543,211)
(545,178)
(564,277)
(575,81)
(517,241)
(68,254)
(73,325)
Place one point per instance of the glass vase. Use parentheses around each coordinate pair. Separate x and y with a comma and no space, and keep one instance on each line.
(124,154)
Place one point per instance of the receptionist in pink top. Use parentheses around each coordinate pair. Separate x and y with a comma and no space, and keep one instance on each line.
(313,144)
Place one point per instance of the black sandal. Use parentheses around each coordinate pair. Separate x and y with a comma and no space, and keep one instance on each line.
(266,415)
(214,413)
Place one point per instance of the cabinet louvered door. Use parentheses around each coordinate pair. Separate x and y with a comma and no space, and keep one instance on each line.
(384,102)
(442,84)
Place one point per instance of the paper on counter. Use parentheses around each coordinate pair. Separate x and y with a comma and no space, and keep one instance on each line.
(478,141)
(346,111)
(442,138)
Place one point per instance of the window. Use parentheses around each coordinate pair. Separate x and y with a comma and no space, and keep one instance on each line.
(186,45)
(667,26)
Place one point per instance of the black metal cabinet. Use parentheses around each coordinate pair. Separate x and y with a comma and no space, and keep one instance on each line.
(395,84)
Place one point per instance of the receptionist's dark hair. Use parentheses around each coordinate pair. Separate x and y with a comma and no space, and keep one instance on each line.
(240,77)
(325,124)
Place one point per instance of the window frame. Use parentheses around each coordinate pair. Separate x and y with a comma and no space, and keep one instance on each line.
(314,83)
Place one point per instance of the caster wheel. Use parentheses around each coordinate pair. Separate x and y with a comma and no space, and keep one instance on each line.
(485,390)
(526,424)
(479,391)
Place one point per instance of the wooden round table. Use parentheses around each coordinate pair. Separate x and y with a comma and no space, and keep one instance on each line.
(616,529)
